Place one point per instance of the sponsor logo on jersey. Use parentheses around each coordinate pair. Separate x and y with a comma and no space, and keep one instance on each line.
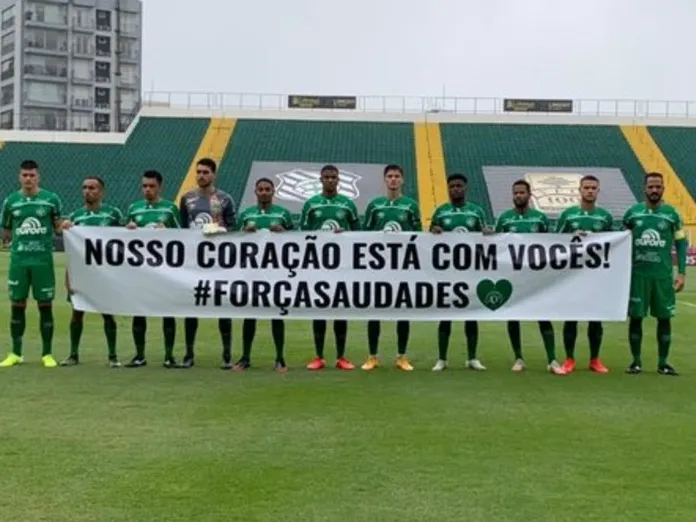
(301,184)
(392,226)
(330,225)
(16,213)
(662,225)
(553,192)
(201,220)
(40,212)
(650,238)
(31,226)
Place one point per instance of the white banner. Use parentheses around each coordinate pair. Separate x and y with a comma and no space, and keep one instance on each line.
(352,275)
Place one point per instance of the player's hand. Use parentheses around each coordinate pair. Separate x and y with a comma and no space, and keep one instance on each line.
(580,233)
(436,230)
(66,224)
(250,228)
(338,231)
(488,231)
(679,282)
(159,225)
(131,225)
(277,228)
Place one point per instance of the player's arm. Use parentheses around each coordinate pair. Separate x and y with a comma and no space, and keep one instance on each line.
(369,217)
(545,225)
(59,224)
(174,221)
(681,244)
(305,216)
(562,222)
(417,223)
(229,215)
(287,220)
(609,223)
(130,217)
(117,218)
(353,219)
(183,212)
(6,222)
(499,224)
(435,225)
(626,221)
(487,230)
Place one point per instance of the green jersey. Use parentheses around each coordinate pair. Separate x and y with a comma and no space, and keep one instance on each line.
(324,213)
(575,218)
(104,216)
(467,217)
(264,219)
(654,232)
(31,220)
(151,215)
(530,221)
(395,215)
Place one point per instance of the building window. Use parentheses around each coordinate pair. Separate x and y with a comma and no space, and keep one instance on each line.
(7,95)
(83,44)
(83,18)
(46,39)
(82,97)
(6,119)
(129,100)
(8,43)
(128,47)
(7,69)
(8,18)
(48,93)
(82,70)
(46,65)
(103,20)
(103,46)
(102,98)
(102,122)
(79,121)
(129,75)
(44,119)
(102,72)
(128,23)
(46,13)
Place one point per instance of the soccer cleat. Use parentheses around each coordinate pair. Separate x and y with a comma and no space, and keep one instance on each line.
(440,365)
(11,360)
(136,362)
(70,360)
(403,364)
(555,368)
(114,362)
(226,365)
(187,363)
(48,361)
(170,363)
(634,369)
(280,366)
(371,363)
(344,364)
(242,365)
(475,364)
(518,366)
(317,364)
(569,365)
(597,366)
(667,370)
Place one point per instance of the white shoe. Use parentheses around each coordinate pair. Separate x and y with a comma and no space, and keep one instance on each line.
(556,368)
(518,366)
(475,364)
(440,365)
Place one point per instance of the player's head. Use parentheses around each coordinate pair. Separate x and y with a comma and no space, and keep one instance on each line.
(393,177)
(152,185)
(521,192)
(29,175)
(264,190)
(456,187)
(205,172)
(589,188)
(654,187)
(93,189)
(329,179)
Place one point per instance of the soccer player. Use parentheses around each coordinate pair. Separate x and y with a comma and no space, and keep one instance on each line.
(198,207)
(94,214)
(458,215)
(153,212)
(391,213)
(655,227)
(524,219)
(334,212)
(30,217)
(264,216)
(581,220)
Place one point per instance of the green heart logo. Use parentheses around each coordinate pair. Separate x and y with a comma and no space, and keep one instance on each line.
(494,295)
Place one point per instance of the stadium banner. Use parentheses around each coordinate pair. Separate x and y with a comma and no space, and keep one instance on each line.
(352,275)
(518,105)
(304,101)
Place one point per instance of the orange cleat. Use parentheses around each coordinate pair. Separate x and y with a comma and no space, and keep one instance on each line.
(569,366)
(344,364)
(597,366)
(317,364)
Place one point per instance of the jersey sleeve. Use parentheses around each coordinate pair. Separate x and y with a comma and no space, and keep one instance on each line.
(117,217)
(626,221)
(482,218)
(129,213)
(499,224)
(435,220)
(562,222)
(304,217)
(56,208)
(417,224)
(287,220)
(229,214)
(174,220)
(241,220)
(183,212)
(369,217)
(609,223)
(545,225)
(678,227)
(353,219)
(6,215)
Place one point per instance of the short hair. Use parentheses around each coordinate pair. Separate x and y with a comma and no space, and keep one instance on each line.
(457,176)
(524,183)
(264,180)
(208,162)
(328,168)
(589,177)
(653,175)
(98,179)
(153,174)
(393,166)
(29,165)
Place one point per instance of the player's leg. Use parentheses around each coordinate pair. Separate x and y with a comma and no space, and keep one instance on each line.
(595,333)
(190,332)
(248,335)
(169,334)
(570,336)
(77,324)
(471,332)
(340,329)
(444,331)
(549,339)
(374,329)
(319,334)
(110,331)
(225,329)
(638,304)
(278,333)
(139,330)
(515,334)
(43,283)
(403,333)
(18,290)
(663,306)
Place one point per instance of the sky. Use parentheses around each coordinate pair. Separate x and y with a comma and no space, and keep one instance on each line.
(612,49)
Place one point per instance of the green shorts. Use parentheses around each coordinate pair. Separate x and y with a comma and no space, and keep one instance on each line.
(41,279)
(654,294)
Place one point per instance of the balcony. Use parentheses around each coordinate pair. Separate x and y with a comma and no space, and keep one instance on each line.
(37,19)
(49,104)
(79,51)
(82,104)
(6,24)
(41,46)
(81,25)
(43,72)
(85,78)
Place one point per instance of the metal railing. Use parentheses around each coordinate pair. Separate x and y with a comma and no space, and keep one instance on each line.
(420,104)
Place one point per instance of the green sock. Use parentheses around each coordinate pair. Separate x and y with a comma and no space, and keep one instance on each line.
(278,332)
(373,331)
(76,326)
(46,320)
(595,332)
(635,339)
(341,334)
(570,335)
(515,335)
(248,334)
(18,324)
(319,332)
(444,330)
(471,332)
(546,329)
(139,333)
(225,329)
(664,340)
(169,334)
(110,330)
(403,333)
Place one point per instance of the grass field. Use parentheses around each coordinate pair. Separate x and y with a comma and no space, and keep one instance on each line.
(90,444)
